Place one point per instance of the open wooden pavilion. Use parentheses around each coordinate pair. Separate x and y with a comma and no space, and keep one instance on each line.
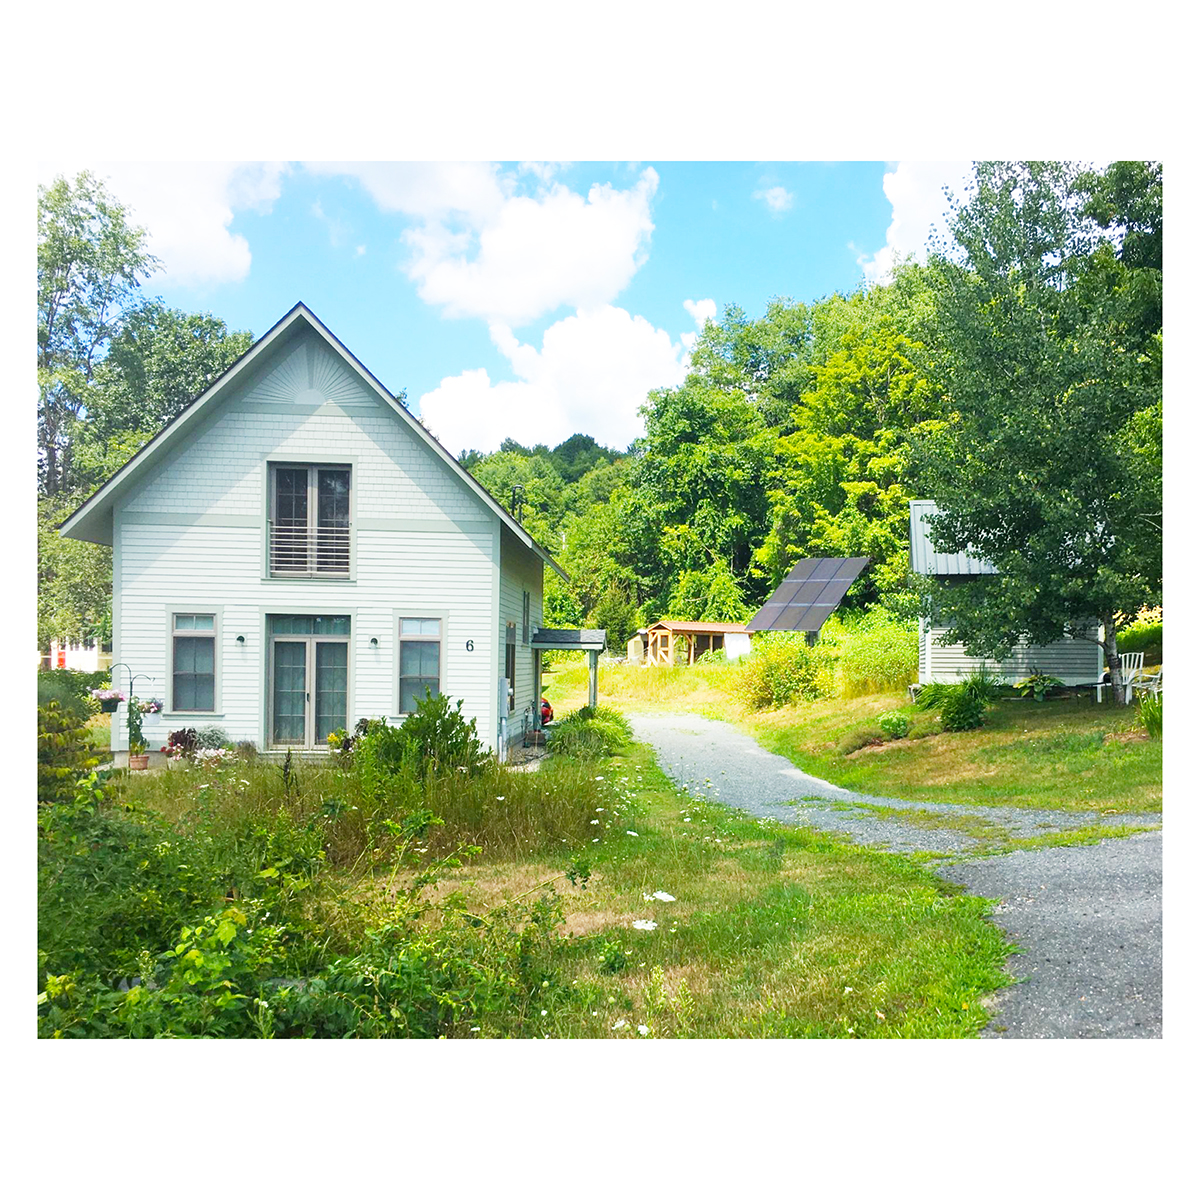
(675,643)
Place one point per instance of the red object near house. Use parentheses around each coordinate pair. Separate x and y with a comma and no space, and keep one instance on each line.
(547,712)
(62,656)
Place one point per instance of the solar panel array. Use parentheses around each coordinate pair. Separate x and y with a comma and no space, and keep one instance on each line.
(813,588)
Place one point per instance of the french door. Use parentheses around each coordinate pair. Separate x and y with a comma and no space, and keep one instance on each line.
(308,681)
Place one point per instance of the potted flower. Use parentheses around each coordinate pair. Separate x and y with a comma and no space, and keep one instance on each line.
(139,760)
(151,714)
(107,698)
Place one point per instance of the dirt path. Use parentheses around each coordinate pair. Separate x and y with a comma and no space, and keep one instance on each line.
(1088,917)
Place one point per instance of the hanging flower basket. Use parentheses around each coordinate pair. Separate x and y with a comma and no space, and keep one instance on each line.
(107,698)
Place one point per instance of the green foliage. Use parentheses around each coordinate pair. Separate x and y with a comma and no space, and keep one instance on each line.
(590,733)
(211,737)
(982,684)
(1150,713)
(1049,337)
(782,668)
(961,710)
(74,579)
(1144,636)
(65,752)
(1038,685)
(876,652)
(91,262)
(442,738)
(617,614)
(895,724)
(71,690)
(133,717)
(932,695)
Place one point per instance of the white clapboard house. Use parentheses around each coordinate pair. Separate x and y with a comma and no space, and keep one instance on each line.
(1073,660)
(296,551)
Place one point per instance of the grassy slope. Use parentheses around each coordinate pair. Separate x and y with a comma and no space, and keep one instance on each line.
(1058,754)
(775,931)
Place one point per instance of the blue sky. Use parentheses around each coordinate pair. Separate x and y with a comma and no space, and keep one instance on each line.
(531,300)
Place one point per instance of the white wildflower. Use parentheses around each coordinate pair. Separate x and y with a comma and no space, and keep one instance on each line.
(594,821)
(543,1012)
(631,833)
(847,991)
(666,897)
(644,1030)
(647,925)
(621,1023)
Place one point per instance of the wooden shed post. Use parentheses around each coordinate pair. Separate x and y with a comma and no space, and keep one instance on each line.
(593,678)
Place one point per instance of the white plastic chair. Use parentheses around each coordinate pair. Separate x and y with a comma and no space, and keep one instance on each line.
(1149,681)
(1131,669)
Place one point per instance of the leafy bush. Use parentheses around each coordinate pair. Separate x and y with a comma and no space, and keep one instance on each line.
(65,752)
(67,689)
(982,684)
(590,733)
(782,668)
(961,710)
(1038,685)
(894,724)
(1145,636)
(211,737)
(878,653)
(1150,713)
(932,695)
(442,738)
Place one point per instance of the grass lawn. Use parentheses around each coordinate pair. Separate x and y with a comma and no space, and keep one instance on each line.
(99,732)
(1067,754)
(774,931)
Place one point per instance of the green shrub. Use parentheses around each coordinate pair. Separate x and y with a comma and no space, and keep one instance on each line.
(590,733)
(1038,686)
(877,653)
(782,668)
(67,689)
(442,739)
(932,695)
(1145,636)
(982,684)
(894,724)
(1150,713)
(211,737)
(65,752)
(961,710)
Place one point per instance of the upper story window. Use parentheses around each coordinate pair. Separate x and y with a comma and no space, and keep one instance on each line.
(310,521)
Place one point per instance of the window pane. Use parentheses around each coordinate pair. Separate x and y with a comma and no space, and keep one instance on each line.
(333,497)
(337,626)
(193,681)
(412,690)
(421,627)
(185,621)
(287,724)
(291,495)
(331,688)
(420,658)
(202,621)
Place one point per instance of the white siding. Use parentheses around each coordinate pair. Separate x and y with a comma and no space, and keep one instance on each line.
(520,572)
(1073,660)
(192,537)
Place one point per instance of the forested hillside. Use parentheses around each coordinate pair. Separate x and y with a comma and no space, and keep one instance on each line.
(1015,379)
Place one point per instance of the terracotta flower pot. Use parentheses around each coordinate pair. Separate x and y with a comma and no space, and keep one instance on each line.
(139,762)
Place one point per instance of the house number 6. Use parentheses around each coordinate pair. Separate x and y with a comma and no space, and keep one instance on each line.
(470,645)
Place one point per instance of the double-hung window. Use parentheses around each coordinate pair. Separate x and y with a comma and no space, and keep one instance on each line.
(193,662)
(310,521)
(525,618)
(420,660)
(510,663)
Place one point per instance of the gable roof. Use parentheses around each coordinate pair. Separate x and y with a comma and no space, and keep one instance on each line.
(92,520)
(699,626)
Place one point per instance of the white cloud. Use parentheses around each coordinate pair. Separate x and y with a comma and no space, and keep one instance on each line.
(480,248)
(701,311)
(918,206)
(537,254)
(777,199)
(591,375)
(187,209)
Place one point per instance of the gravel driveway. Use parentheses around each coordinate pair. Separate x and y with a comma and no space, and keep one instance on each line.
(1088,917)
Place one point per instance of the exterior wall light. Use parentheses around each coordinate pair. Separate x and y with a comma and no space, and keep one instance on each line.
(374,641)
(241,637)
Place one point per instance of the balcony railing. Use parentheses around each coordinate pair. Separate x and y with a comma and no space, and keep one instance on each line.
(322,551)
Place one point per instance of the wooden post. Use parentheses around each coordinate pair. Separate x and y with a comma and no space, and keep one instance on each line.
(593,678)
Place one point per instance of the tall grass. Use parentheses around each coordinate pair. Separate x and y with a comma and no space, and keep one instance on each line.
(876,653)
(503,810)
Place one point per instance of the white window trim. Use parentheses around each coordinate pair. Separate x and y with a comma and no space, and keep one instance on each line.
(443,639)
(190,714)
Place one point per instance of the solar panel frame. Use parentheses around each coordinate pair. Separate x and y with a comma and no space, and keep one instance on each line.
(813,588)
